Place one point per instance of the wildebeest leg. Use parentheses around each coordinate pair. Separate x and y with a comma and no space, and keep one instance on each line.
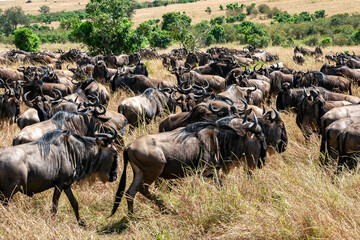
(134,187)
(74,204)
(56,196)
(144,190)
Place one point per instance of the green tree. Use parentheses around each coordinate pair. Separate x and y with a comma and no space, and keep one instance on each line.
(107,29)
(44,9)
(175,17)
(26,40)
(160,38)
(113,8)
(11,18)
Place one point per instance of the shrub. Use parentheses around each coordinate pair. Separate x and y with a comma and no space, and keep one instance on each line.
(320,14)
(217,21)
(326,41)
(160,38)
(356,37)
(26,40)
(251,10)
(278,40)
(264,8)
(312,41)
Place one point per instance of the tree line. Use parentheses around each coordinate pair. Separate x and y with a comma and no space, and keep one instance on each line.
(105,27)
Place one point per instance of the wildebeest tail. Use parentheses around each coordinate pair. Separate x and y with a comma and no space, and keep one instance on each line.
(350,92)
(122,184)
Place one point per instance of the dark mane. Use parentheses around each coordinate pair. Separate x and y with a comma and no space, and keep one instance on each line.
(60,117)
(149,93)
(47,139)
(193,128)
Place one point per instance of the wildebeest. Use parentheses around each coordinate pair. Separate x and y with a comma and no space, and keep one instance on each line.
(331,138)
(335,114)
(137,83)
(151,103)
(9,103)
(169,155)
(92,87)
(207,111)
(215,83)
(57,159)
(299,58)
(290,98)
(312,107)
(82,123)
(349,153)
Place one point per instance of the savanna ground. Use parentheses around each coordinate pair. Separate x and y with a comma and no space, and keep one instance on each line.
(292,197)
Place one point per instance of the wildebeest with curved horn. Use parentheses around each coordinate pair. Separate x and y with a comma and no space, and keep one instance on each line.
(56,160)
(151,103)
(169,155)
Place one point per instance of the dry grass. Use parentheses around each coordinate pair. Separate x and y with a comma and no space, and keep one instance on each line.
(290,198)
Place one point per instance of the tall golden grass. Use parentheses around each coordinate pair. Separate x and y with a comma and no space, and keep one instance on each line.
(292,197)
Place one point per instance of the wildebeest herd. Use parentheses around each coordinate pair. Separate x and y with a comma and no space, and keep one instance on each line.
(67,134)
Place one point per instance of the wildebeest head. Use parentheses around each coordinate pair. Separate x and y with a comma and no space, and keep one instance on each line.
(274,130)
(42,103)
(10,102)
(191,60)
(108,156)
(312,108)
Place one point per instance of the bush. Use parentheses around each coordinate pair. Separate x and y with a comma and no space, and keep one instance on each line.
(356,37)
(263,8)
(320,14)
(217,21)
(326,42)
(312,41)
(160,38)
(278,40)
(26,40)
(251,10)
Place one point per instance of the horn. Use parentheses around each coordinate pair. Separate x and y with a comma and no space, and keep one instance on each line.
(109,137)
(254,125)
(58,95)
(277,114)
(172,96)
(27,102)
(90,104)
(207,84)
(75,83)
(102,112)
(245,105)
(264,110)
(255,88)
(211,107)
(187,89)
(305,93)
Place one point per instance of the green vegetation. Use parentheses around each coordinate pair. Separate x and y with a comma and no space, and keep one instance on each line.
(25,39)
(159,3)
(107,29)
